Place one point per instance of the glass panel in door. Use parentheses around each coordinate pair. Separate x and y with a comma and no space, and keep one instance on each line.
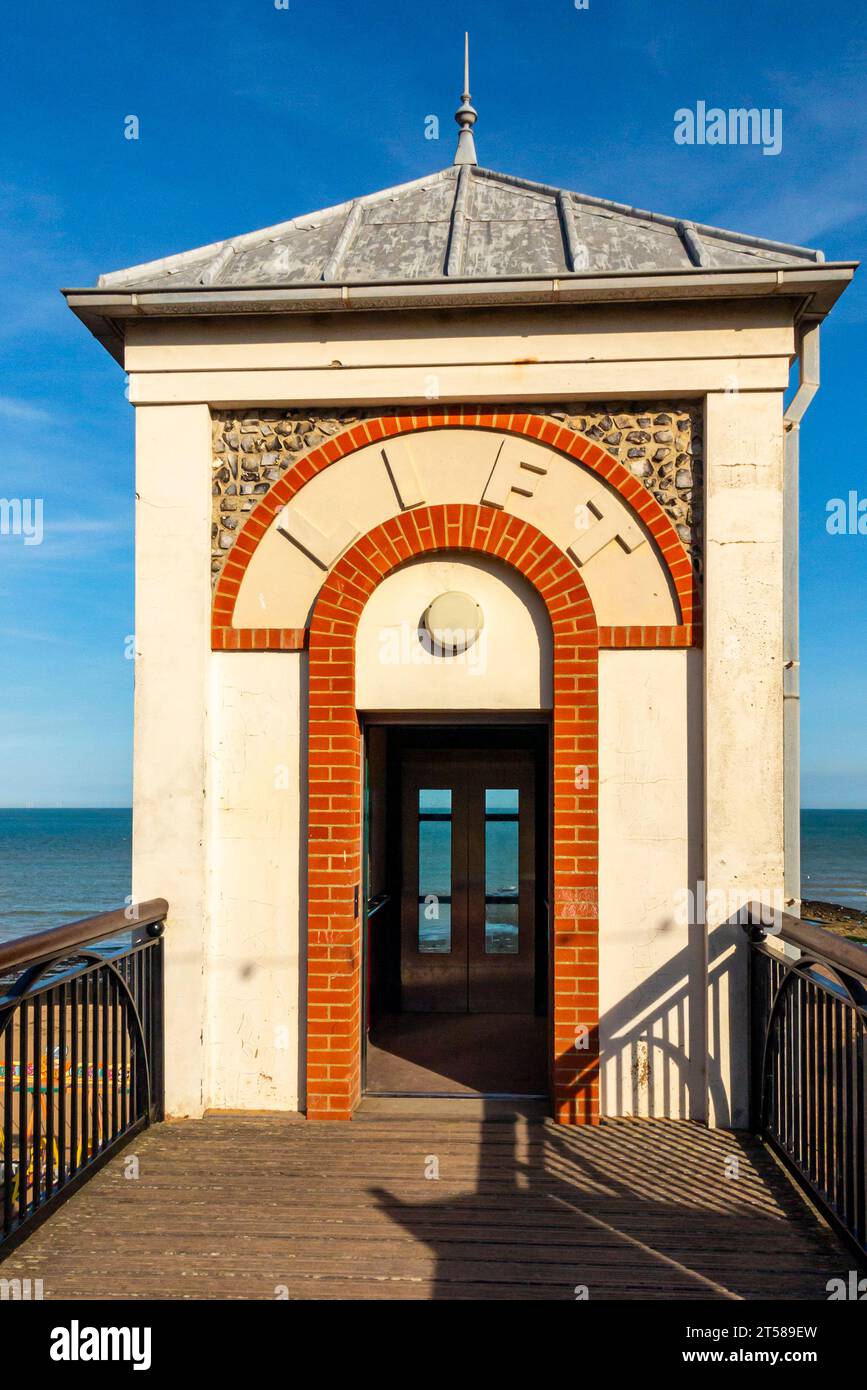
(434,870)
(502,871)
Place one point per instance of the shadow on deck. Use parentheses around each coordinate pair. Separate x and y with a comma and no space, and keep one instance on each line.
(253,1207)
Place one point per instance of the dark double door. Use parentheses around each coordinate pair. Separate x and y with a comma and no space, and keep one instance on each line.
(468,899)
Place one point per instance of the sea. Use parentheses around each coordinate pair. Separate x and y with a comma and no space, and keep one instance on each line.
(834,857)
(58,865)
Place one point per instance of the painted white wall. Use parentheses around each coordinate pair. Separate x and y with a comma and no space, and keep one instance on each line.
(651,961)
(618,351)
(254,961)
(507,667)
(341,342)
(170,770)
(743,711)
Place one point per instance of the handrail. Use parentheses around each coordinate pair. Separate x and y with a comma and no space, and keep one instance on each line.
(832,949)
(40,946)
(81,1055)
(808,1062)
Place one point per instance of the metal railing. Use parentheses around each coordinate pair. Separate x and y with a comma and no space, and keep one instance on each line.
(808,1032)
(81,1054)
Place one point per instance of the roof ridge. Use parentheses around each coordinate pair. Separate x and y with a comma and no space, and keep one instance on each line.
(458,223)
(347,234)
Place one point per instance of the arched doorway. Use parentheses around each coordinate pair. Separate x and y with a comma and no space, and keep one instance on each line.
(454,690)
(335,779)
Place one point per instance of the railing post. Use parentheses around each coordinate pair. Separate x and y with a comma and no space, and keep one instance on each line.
(158,1031)
(757,995)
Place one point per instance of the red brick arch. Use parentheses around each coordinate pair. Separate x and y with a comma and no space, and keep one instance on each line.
(687,632)
(334,975)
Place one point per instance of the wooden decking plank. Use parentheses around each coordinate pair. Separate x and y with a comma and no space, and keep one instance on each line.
(232,1207)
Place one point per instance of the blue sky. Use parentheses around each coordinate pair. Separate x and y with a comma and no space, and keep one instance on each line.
(251,114)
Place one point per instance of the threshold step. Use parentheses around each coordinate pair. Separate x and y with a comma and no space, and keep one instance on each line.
(452,1108)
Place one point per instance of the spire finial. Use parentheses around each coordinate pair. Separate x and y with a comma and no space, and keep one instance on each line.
(466,116)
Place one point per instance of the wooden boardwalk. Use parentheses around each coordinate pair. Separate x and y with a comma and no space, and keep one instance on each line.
(232,1207)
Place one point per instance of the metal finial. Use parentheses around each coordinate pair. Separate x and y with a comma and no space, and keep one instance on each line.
(466,116)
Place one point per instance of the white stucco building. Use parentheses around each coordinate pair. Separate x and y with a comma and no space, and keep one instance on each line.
(455,854)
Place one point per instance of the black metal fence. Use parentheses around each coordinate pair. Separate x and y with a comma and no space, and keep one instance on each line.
(809,1064)
(81,1054)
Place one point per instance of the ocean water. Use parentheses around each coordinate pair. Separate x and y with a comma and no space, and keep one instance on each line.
(834,857)
(57,865)
(502,926)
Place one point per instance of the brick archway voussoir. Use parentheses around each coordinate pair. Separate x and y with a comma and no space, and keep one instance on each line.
(645,507)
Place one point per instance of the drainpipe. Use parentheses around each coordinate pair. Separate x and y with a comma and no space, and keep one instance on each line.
(808,384)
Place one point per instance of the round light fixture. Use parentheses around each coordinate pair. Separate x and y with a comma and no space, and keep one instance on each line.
(453,622)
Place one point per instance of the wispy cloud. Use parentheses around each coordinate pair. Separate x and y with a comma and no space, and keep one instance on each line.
(85,525)
(68,540)
(823,122)
(22,410)
(25,634)
(19,202)
(831,202)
